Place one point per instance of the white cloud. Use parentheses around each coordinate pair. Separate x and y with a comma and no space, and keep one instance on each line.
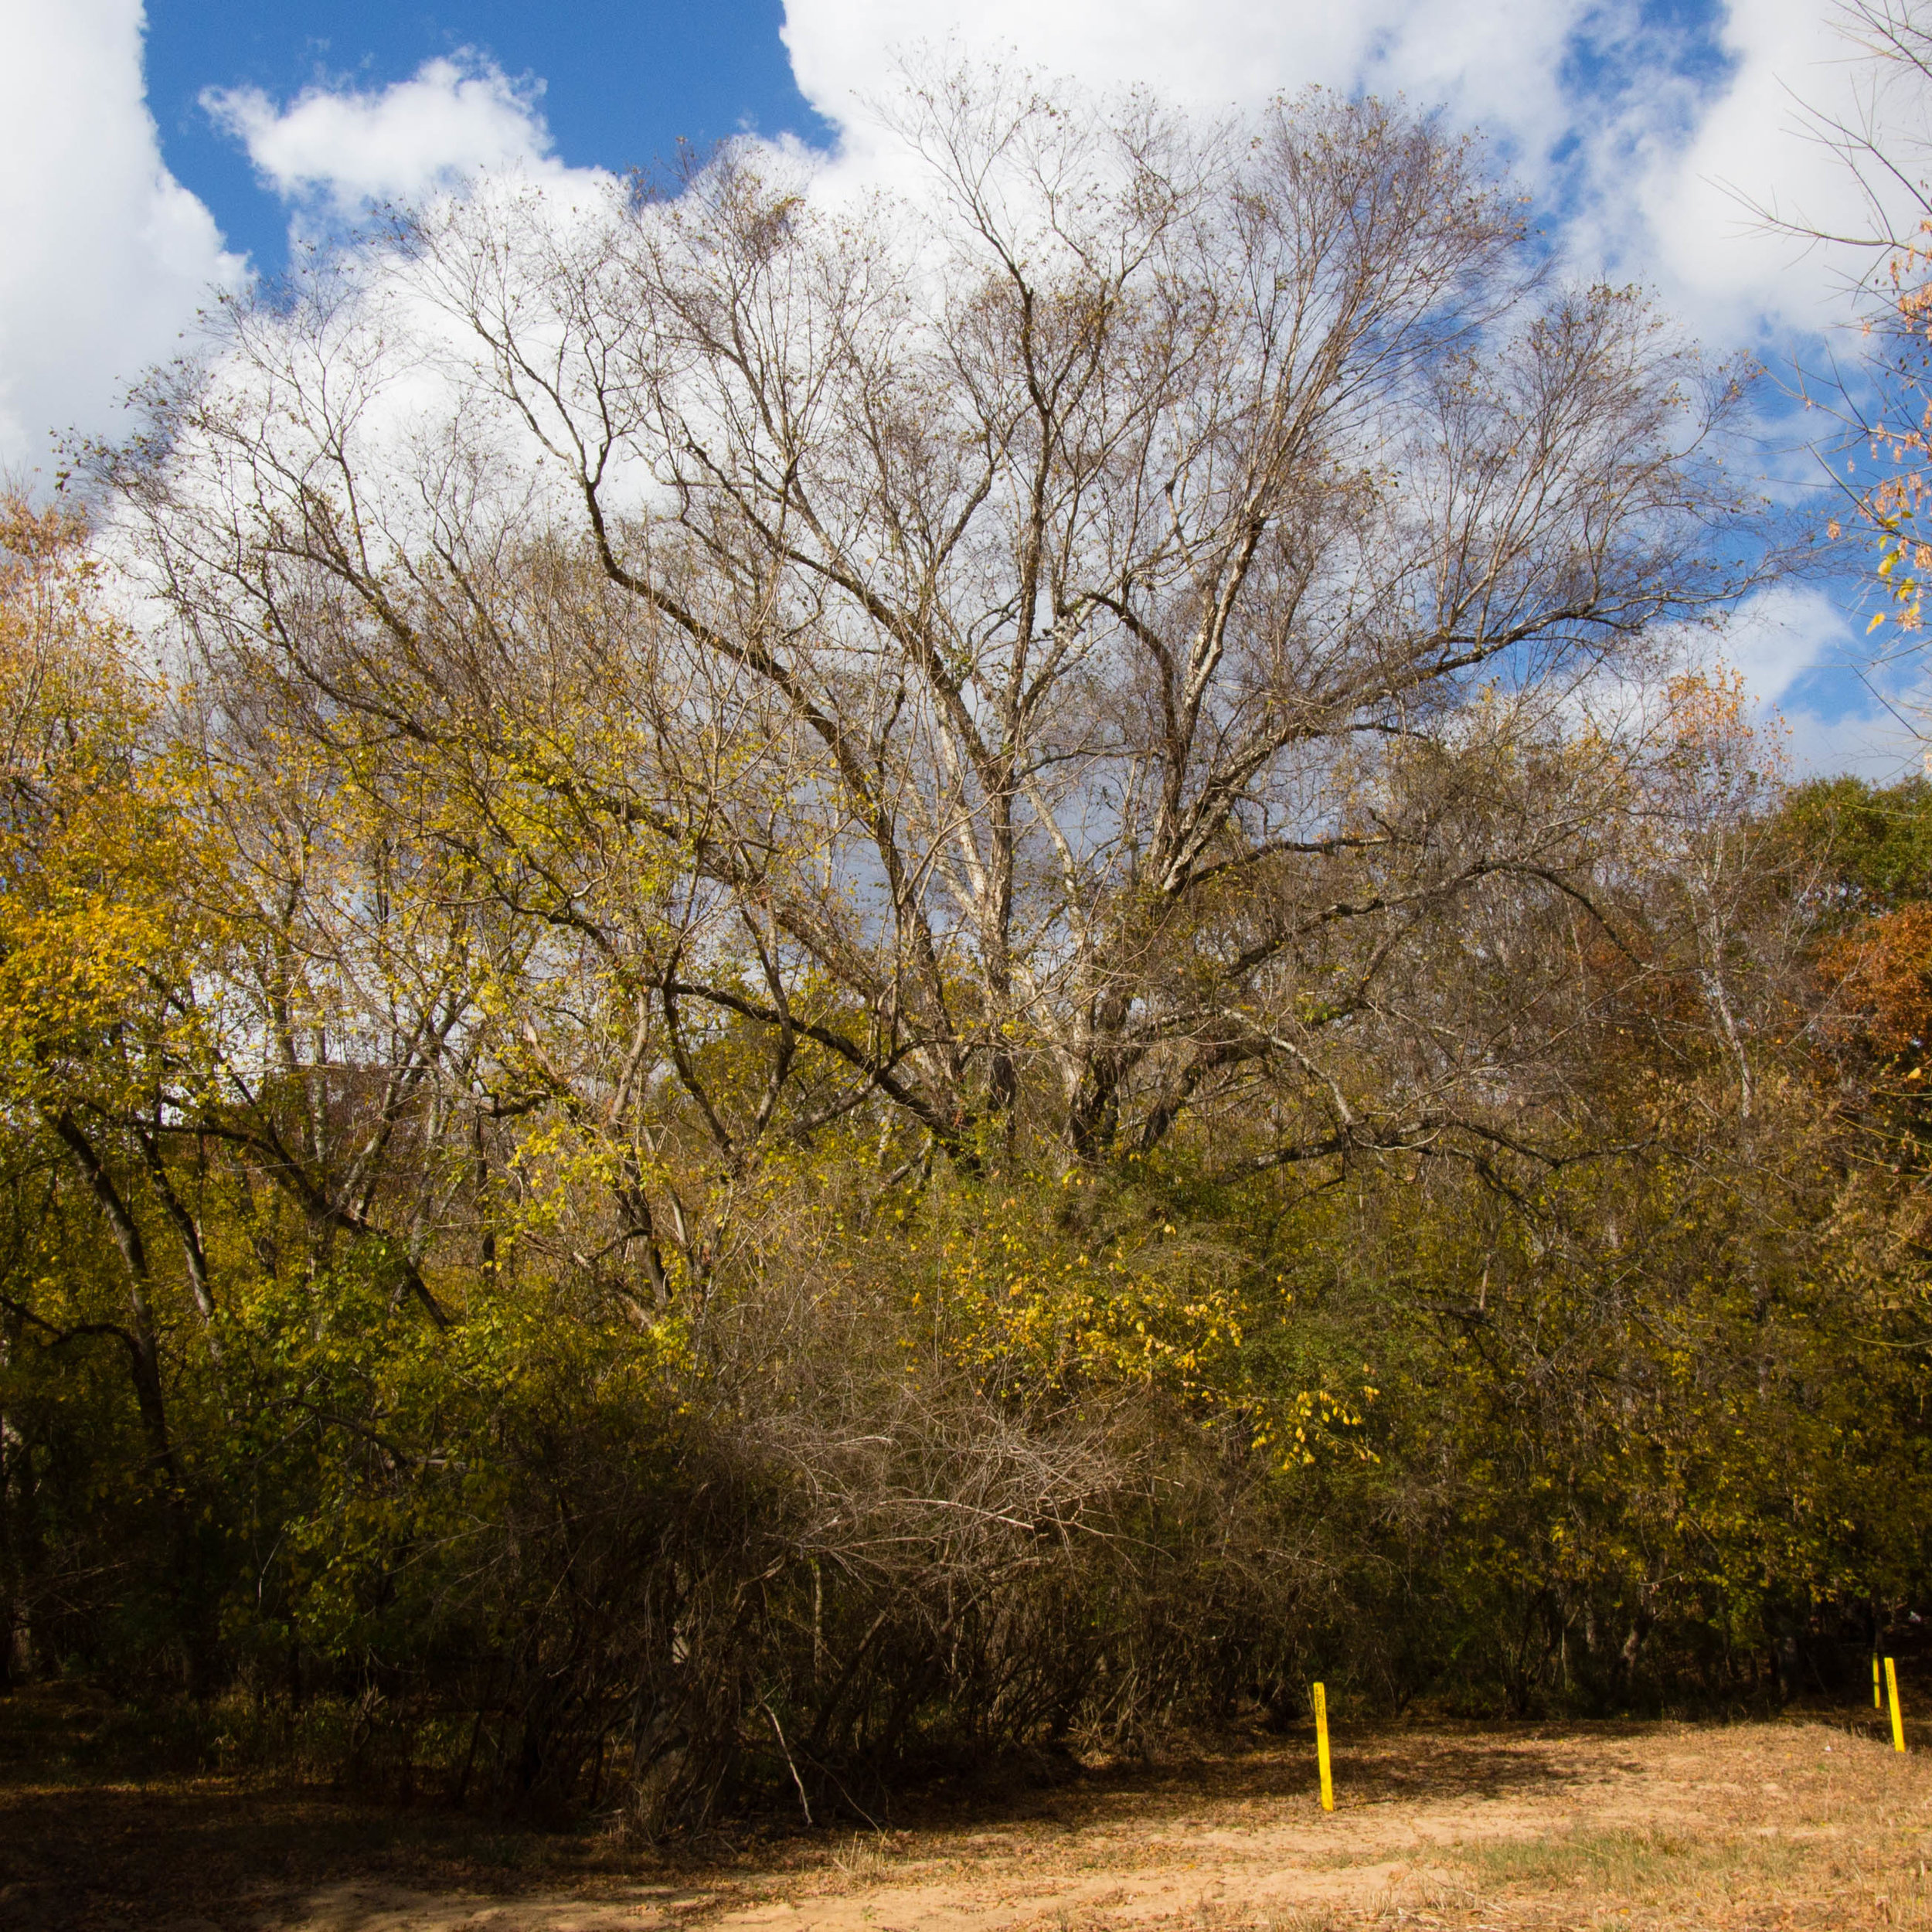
(1805,666)
(1645,142)
(1784,632)
(342,149)
(1874,744)
(458,133)
(1643,136)
(1755,142)
(107,256)
(1477,57)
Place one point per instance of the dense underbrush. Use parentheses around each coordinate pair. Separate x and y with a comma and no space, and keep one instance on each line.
(871,1519)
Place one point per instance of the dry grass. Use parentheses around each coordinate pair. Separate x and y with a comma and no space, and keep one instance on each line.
(1737,1828)
(1643,1827)
(863,1858)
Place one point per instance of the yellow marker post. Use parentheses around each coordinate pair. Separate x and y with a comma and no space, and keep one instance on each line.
(1898,1716)
(1321,1747)
(1878,1700)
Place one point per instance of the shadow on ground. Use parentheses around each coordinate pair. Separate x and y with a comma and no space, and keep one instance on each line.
(87,1843)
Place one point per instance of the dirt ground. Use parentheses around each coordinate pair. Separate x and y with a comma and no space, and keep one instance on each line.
(1810,1822)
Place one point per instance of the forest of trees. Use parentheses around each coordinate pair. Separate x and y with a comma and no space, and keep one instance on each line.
(788,991)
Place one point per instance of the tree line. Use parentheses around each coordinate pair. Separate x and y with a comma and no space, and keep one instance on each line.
(789,989)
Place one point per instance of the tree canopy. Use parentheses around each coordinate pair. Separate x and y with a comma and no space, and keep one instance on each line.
(788,985)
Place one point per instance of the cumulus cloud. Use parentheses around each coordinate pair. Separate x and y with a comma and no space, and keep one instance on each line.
(1483,59)
(1662,147)
(1646,140)
(340,149)
(1782,635)
(107,256)
(1799,654)
(1706,200)
(1645,134)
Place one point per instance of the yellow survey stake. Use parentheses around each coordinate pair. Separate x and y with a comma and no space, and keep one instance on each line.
(1898,1716)
(1321,1747)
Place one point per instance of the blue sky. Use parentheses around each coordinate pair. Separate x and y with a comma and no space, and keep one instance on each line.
(621,84)
(150,155)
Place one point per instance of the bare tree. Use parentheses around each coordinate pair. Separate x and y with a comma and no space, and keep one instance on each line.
(1100,641)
